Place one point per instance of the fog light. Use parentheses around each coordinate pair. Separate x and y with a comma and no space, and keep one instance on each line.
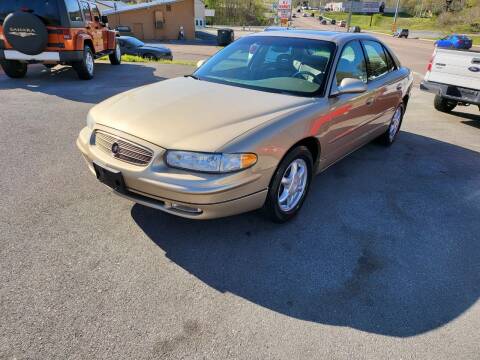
(187,209)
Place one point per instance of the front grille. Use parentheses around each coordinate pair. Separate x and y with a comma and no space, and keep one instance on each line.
(123,150)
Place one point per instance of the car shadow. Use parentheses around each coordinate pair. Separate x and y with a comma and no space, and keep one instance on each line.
(386,243)
(62,81)
(475,117)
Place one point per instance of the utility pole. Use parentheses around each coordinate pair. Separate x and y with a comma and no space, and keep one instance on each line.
(394,26)
(349,21)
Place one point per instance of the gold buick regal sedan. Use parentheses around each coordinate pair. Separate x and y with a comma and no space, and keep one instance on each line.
(251,126)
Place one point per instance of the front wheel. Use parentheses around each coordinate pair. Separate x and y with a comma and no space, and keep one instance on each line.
(290,185)
(86,67)
(116,56)
(14,69)
(443,105)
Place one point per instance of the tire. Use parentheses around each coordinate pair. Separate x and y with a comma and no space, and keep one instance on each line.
(280,211)
(14,69)
(444,105)
(116,56)
(389,136)
(86,68)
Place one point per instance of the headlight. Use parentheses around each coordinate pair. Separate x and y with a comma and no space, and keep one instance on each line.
(90,121)
(210,162)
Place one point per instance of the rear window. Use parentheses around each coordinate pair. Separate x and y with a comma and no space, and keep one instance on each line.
(47,10)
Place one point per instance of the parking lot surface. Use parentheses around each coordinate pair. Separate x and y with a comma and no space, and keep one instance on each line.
(383,261)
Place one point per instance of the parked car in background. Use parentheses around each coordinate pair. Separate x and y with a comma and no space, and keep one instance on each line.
(324,22)
(305,15)
(132,46)
(455,41)
(186,147)
(454,77)
(401,33)
(123,30)
(54,32)
(342,23)
(354,29)
(278,28)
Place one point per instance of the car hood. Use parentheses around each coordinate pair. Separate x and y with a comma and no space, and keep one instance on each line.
(189,114)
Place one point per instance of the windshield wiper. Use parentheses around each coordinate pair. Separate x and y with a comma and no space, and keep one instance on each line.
(193,76)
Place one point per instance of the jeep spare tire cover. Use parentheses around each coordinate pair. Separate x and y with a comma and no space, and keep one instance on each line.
(26,32)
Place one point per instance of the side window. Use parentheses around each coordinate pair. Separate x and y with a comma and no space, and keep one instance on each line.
(96,12)
(377,61)
(73,9)
(86,11)
(351,63)
(391,63)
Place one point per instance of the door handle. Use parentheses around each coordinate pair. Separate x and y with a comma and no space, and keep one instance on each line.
(370,101)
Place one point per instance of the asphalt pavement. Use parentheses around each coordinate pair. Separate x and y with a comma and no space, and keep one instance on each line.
(383,262)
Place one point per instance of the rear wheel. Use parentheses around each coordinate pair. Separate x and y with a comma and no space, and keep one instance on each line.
(443,105)
(86,68)
(116,56)
(13,68)
(390,135)
(290,185)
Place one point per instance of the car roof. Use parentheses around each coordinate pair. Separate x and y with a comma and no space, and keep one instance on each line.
(337,37)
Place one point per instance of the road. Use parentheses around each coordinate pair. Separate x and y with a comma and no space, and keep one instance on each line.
(382,263)
(413,53)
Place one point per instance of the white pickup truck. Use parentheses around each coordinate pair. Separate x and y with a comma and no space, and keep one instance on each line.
(454,76)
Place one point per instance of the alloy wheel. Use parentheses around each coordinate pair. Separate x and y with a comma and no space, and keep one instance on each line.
(293,185)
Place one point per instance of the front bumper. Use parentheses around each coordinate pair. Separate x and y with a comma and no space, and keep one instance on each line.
(47,56)
(176,191)
(452,92)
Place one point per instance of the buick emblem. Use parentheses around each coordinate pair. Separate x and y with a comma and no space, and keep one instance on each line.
(115,148)
(474,69)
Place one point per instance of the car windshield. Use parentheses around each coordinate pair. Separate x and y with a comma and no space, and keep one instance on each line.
(271,63)
(134,42)
(45,9)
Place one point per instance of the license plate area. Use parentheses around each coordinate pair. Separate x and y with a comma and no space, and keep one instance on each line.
(111,178)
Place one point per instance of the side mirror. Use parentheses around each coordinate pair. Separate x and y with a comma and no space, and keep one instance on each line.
(201,62)
(104,19)
(350,86)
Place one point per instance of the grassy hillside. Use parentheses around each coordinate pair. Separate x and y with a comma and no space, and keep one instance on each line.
(383,23)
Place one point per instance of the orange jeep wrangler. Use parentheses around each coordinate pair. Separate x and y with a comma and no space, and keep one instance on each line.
(69,32)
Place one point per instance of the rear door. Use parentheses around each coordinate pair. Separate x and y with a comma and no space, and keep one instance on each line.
(385,83)
(454,67)
(347,111)
(92,27)
(101,35)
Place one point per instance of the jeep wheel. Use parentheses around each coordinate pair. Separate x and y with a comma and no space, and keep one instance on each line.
(116,56)
(86,68)
(14,69)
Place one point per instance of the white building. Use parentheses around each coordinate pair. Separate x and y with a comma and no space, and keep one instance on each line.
(199,13)
(357,6)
